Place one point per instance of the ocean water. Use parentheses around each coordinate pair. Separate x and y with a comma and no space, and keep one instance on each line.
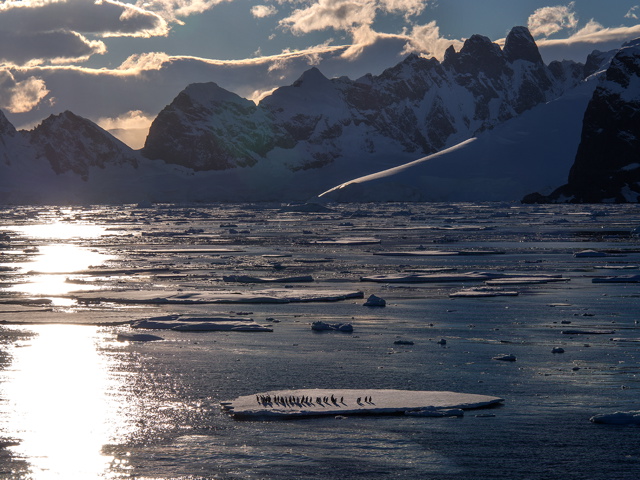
(77,403)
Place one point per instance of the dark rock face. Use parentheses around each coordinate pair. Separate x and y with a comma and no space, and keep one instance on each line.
(415,108)
(73,144)
(607,164)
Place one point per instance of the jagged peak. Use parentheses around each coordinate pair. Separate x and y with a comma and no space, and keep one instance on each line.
(210,92)
(479,44)
(520,45)
(311,77)
(6,127)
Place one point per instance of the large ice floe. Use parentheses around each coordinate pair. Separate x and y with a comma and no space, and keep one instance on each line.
(201,324)
(315,402)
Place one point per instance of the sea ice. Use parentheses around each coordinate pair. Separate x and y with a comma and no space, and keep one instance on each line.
(484,292)
(618,279)
(431,278)
(137,337)
(506,358)
(313,402)
(589,254)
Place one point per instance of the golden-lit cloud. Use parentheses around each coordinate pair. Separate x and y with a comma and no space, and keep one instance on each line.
(20,96)
(546,21)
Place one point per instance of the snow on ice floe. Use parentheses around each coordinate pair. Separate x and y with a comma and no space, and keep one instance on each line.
(200,324)
(284,295)
(590,254)
(314,402)
(618,418)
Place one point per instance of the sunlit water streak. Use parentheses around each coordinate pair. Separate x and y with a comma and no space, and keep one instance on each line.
(60,402)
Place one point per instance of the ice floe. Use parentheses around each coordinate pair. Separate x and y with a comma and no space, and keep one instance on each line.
(250,279)
(284,295)
(137,337)
(313,402)
(431,278)
(347,241)
(201,324)
(506,358)
(618,418)
(484,292)
(435,253)
(590,254)
(617,279)
(587,332)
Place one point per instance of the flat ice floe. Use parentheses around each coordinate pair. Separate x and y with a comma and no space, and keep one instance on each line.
(314,402)
(431,277)
(618,279)
(284,295)
(201,324)
(618,418)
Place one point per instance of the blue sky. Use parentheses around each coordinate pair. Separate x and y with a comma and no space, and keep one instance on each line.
(118,62)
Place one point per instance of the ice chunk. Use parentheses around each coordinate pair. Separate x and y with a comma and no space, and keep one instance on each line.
(557,350)
(348,241)
(431,278)
(618,418)
(588,332)
(313,402)
(589,254)
(340,327)
(506,358)
(374,301)
(137,337)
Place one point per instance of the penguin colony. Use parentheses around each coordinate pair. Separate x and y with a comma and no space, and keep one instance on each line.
(291,401)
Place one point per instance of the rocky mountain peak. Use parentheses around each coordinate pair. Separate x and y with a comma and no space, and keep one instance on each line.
(6,128)
(311,78)
(207,94)
(478,54)
(520,45)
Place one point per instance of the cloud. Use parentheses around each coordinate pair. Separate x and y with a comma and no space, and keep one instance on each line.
(426,40)
(546,21)
(22,48)
(59,31)
(347,15)
(632,12)
(102,18)
(174,10)
(592,36)
(23,96)
(262,11)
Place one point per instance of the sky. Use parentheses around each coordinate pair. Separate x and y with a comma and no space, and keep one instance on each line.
(119,62)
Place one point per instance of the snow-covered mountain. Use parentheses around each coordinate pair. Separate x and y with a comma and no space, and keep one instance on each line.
(416,108)
(607,163)
(303,139)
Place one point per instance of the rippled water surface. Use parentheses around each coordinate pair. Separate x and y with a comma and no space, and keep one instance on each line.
(78,402)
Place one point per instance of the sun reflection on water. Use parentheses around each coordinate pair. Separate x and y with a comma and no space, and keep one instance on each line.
(60,402)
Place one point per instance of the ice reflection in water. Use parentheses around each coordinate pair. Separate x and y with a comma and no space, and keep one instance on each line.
(61,403)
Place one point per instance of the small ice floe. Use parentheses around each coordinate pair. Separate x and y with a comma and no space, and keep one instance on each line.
(528,280)
(348,241)
(617,279)
(618,418)
(431,277)
(332,402)
(403,342)
(442,342)
(250,279)
(422,252)
(338,327)
(374,301)
(484,292)
(436,412)
(623,340)
(557,350)
(201,324)
(589,254)
(506,358)
(137,337)
(587,332)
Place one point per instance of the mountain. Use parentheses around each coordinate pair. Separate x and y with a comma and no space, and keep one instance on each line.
(532,151)
(415,108)
(607,162)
